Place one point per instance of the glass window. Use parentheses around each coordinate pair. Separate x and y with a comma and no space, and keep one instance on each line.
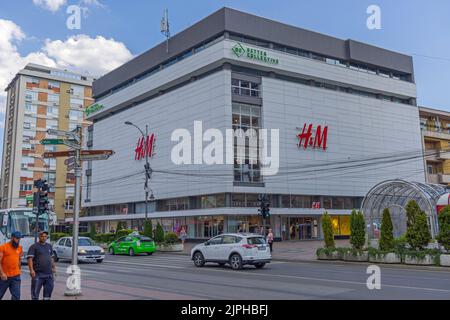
(53,99)
(53,111)
(53,84)
(77,91)
(245,88)
(51,124)
(76,115)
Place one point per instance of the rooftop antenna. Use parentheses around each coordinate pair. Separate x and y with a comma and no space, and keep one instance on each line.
(165,28)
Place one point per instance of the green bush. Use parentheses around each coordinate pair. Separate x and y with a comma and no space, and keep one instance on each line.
(122,225)
(420,254)
(417,233)
(171,238)
(328,231)
(84,234)
(159,233)
(148,229)
(357,230)
(58,235)
(104,237)
(92,230)
(123,233)
(387,236)
(444,228)
(400,244)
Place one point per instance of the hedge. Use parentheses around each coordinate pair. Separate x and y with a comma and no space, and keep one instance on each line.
(171,238)
(55,236)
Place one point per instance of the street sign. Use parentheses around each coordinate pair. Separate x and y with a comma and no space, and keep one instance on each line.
(72,144)
(52,141)
(69,161)
(67,134)
(58,154)
(95,157)
(70,167)
(96,152)
(70,177)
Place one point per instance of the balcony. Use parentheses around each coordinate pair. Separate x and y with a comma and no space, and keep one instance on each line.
(433,178)
(443,155)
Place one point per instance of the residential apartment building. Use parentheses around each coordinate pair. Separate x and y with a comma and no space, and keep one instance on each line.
(435,127)
(41,98)
(334,102)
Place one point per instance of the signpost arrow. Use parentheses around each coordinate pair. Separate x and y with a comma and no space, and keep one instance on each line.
(95,157)
(67,134)
(96,152)
(58,154)
(69,161)
(72,144)
(52,141)
(70,167)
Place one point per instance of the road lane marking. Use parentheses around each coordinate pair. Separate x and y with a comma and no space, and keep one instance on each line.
(144,264)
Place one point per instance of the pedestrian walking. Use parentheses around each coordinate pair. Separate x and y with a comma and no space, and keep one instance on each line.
(183,235)
(270,239)
(42,267)
(10,268)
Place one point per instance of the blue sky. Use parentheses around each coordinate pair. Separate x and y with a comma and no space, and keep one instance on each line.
(413,27)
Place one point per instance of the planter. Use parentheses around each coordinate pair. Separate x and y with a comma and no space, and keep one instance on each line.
(427,260)
(359,257)
(170,247)
(389,257)
(335,255)
(445,260)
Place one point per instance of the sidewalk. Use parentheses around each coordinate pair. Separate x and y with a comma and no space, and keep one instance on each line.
(285,250)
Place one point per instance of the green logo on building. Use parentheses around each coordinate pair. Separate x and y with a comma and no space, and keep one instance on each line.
(255,54)
(92,109)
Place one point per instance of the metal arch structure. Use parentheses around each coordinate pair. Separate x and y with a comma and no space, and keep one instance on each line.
(394,195)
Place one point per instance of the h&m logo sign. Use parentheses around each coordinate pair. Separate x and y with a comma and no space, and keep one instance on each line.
(310,138)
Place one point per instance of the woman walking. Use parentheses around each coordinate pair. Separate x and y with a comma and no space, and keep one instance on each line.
(270,239)
(183,235)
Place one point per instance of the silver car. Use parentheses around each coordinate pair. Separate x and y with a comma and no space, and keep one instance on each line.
(235,249)
(88,251)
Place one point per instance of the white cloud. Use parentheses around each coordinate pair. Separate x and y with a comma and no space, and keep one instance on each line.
(95,56)
(52,5)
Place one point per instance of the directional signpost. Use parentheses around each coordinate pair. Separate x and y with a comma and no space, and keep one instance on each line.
(72,139)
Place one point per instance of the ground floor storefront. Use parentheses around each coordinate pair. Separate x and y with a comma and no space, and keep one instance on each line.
(289,227)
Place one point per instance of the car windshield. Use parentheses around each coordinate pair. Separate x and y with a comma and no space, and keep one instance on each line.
(256,240)
(86,242)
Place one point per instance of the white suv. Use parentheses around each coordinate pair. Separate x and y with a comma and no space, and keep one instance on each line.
(236,249)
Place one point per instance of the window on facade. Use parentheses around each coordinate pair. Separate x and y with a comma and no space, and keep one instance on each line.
(245,88)
(76,103)
(27,125)
(238,200)
(53,111)
(53,84)
(53,99)
(31,96)
(26,187)
(26,174)
(51,124)
(246,164)
(77,91)
(75,115)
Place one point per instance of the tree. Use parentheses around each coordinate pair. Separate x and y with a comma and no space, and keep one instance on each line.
(357,230)
(159,233)
(444,228)
(417,233)
(93,230)
(327,231)
(148,228)
(412,210)
(387,236)
(122,225)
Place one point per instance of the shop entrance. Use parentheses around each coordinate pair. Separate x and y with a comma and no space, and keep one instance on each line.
(300,228)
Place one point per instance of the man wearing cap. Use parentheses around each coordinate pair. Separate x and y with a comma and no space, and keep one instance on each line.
(10,256)
(42,267)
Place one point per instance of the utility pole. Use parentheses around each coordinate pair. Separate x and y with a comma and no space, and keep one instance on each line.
(165,28)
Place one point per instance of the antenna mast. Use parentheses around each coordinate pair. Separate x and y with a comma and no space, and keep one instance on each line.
(165,30)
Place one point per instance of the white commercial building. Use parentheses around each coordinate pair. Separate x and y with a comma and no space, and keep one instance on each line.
(345,111)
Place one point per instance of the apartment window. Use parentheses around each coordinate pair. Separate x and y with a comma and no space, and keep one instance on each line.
(34,80)
(77,91)
(53,84)
(26,187)
(50,148)
(52,124)
(246,165)
(245,88)
(76,103)
(27,160)
(75,115)
(53,99)
(51,163)
(27,125)
(430,169)
(31,96)
(26,174)
(53,111)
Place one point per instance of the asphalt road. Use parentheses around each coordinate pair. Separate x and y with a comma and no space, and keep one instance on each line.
(169,276)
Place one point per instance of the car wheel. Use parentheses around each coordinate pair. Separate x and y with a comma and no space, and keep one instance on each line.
(260,265)
(99,260)
(131,252)
(221,264)
(111,251)
(236,262)
(55,257)
(199,260)
(149,253)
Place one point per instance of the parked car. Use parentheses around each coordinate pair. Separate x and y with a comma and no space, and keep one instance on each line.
(235,249)
(132,245)
(88,251)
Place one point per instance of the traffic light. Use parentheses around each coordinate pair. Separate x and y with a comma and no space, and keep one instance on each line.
(40,198)
(264,209)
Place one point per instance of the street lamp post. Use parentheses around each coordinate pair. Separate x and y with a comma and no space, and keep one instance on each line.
(147,165)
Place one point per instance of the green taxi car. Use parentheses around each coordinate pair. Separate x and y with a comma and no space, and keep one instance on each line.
(132,245)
